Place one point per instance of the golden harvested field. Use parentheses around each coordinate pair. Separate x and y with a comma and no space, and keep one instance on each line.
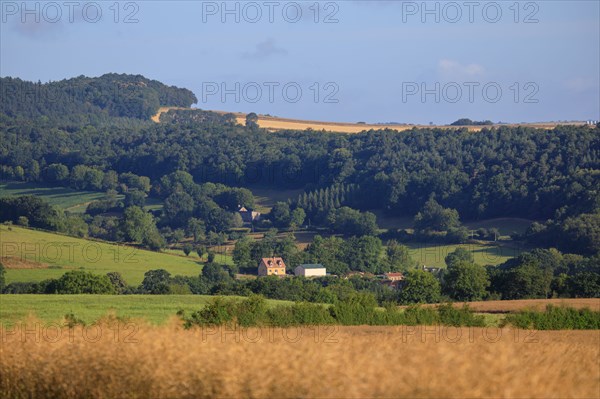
(275,123)
(340,362)
(529,304)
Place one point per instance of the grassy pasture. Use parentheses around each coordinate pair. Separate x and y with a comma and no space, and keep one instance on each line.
(155,309)
(65,198)
(432,255)
(506,225)
(266,197)
(68,199)
(429,254)
(51,255)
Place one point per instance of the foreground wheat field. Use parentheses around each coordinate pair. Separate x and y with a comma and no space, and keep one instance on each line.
(334,362)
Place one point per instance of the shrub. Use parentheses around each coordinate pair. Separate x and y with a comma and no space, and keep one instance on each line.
(179,289)
(352,314)
(116,279)
(217,312)
(71,320)
(156,282)
(556,318)
(300,314)
(21,288)
(251,311)
(78,282)
(356,310)
(417,315)
(584,284)
(456,317)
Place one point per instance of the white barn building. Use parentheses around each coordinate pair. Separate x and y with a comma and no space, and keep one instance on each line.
(310,270)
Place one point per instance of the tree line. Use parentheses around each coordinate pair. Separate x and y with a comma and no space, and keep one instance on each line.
(535,274)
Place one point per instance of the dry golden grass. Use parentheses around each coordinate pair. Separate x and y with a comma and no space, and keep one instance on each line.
(12,262)
(349,362)
(274,124)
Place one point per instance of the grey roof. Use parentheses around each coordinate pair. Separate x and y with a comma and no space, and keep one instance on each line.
(313,266)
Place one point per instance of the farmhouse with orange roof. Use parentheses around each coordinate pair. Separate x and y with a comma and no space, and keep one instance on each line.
(271,267)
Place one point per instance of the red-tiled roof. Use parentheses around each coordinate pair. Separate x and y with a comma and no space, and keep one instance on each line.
(272,262)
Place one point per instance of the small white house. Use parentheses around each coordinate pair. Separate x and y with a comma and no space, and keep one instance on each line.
(310,270)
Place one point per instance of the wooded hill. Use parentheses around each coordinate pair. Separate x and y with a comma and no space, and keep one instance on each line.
(115,95)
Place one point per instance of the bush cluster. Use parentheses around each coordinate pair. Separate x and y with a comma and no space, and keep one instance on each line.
(358,309)
(556,318)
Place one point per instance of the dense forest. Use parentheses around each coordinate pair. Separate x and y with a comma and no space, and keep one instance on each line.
(508,171)
(95,134)
(115,95)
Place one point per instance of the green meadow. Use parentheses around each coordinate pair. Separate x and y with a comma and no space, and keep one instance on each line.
(65,198)
(266,197)
(155,309)
(433,255)
(68,199)
(44,255)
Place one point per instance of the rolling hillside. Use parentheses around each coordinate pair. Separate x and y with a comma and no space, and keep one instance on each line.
(31,255)
(68,199)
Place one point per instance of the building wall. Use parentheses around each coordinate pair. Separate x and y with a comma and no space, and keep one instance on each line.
(314,272)
(300,271)
(280,271)
(265,271)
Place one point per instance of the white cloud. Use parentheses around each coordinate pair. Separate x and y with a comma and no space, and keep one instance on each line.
(454,69)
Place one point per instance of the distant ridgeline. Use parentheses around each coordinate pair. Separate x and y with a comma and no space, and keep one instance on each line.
(113,95)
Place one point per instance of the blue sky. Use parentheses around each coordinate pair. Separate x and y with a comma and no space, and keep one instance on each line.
(373,61)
